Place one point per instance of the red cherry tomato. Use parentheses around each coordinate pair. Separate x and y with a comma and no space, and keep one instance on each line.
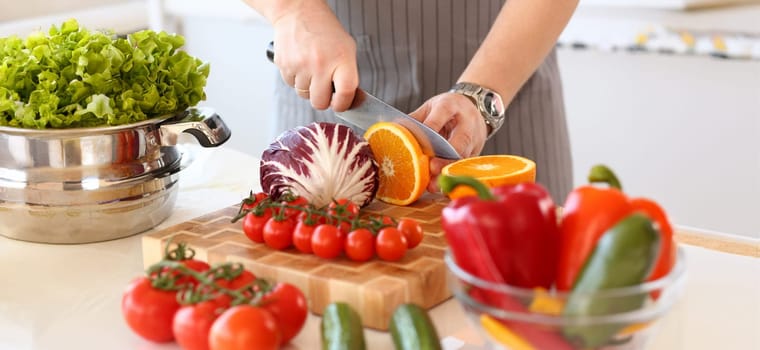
(302,236)
(288,306)
(278,234)
(149,311)
(360,245)
(192,324)
(326,242)
(412,231)
(298,201)
(253,226)
(245,327)
(313,218)
(388,221)
(343,229)
(343,208)
(391,244)
(252,200)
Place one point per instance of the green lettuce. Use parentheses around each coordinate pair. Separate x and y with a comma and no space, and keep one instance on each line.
(73,77)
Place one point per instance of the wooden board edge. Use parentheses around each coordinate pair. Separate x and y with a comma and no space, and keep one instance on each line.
(151,250)
(718,243)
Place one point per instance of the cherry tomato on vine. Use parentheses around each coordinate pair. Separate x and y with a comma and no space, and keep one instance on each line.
(245,327)
(302,236)
(149,311)
(360,245)
(326,242)
(388,221)
(288,306)
(252,200)
(192,324)
(343,229)
(412,231)
(313,218)
(253,226)
(343,208)
(278,234)
(298,201)
(390,244)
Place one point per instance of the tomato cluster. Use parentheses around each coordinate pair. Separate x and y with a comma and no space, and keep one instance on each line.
(221,307)
(291,221)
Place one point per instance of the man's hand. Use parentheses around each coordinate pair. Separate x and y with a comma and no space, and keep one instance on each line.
(314,53)
(456,118)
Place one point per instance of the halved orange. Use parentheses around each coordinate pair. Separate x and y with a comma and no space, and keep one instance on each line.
(492,170)
(404,169)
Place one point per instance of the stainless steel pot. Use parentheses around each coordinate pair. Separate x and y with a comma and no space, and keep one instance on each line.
(95,184)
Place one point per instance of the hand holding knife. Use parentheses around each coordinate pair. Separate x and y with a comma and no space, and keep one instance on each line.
(366,110)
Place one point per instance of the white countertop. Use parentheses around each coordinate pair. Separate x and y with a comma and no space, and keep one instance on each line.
(68,296)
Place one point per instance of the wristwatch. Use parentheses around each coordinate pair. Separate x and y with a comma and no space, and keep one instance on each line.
(489,103)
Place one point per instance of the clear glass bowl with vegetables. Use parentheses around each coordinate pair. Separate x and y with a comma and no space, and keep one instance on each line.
(599,273)
(515,318)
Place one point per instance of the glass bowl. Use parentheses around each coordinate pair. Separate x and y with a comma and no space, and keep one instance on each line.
(510,317)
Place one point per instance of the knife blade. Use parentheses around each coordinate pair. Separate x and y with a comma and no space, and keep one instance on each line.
(366,110)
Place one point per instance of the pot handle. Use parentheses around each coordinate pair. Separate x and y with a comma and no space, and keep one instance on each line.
(202,122)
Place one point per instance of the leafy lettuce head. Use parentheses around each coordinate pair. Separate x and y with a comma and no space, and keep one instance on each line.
(73,77)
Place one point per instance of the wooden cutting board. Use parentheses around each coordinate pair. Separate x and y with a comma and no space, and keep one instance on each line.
(374,289)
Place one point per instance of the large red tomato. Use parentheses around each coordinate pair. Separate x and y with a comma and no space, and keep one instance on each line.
(149,311)
(192,324)
(245,327)
(288,306)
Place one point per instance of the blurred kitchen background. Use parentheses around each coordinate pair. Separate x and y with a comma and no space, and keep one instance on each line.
(667,92)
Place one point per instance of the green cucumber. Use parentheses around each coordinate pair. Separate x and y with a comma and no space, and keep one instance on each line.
(412,329)
(623,256)
(342,328)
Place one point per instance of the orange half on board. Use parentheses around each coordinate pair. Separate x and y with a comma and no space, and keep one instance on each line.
(404,169)
(493,171)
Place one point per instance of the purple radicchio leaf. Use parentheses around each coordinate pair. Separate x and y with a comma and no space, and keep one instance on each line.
(321,162)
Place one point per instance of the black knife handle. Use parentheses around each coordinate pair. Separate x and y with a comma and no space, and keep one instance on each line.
(270,57)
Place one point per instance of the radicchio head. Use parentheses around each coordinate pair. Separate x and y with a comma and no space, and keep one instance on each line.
(321,162)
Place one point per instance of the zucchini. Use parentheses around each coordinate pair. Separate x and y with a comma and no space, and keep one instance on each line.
(341,328)
(412,329)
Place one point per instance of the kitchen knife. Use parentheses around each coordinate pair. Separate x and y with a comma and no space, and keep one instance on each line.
(366,110)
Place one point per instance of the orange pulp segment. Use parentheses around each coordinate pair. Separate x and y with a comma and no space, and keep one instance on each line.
(404,169)
(492,170)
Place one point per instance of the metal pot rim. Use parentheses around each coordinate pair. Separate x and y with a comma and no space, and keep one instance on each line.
(95,130)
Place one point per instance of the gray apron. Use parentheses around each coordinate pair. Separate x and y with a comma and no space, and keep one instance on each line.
(411,50)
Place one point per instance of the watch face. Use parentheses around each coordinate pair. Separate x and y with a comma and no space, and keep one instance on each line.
(493,104)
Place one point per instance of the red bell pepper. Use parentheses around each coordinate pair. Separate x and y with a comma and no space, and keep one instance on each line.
(668,250)
(508,234)
(590,210)
(516,224)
